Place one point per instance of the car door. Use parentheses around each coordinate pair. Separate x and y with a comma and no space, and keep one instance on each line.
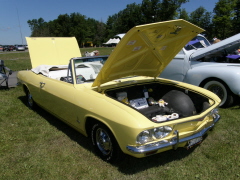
(176,69)
(58,97)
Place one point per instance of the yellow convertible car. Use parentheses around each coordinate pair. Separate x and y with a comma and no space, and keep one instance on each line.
(123,105)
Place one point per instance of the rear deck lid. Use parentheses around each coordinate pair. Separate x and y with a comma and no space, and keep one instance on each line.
(52,50)
(229,45)
(146,50)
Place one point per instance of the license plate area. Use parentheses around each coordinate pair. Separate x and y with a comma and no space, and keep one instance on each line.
(194,142)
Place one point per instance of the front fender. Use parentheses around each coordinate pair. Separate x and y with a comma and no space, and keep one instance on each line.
(229,74)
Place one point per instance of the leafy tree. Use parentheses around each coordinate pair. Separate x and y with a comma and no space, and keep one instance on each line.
(38,27)
(168,9)
(222,20)
(131,16)
(124,20)
(84,29)
(160,10)
(78,27)
(111,29)
(202,18)
(150,10)
(183,14)
(63,24)
(99,37)
(220,23)
(236,19)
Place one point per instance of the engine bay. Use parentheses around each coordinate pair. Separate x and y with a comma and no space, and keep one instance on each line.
(160,102)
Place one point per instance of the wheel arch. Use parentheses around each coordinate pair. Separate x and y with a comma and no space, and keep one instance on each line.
(90,121)
(228,99)
(25,88)
(214,79)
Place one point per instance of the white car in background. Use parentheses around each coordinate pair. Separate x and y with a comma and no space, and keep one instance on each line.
(20,48)
(214,67)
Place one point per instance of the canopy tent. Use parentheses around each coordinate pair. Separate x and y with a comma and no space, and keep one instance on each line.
(115,40)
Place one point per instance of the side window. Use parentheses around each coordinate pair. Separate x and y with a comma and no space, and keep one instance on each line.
(200,38)
(197,42)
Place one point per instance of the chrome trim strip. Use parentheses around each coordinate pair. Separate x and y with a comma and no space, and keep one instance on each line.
(174,143)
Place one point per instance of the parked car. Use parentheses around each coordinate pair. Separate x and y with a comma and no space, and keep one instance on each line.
(11,48)
(214,67)
(1,48)
(8,48)
(5,47)
(26,46)
(122,105)
(20,48)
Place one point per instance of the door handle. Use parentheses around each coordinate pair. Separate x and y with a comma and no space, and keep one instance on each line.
(42,84)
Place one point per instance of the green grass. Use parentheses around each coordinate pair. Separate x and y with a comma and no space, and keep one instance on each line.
(36,145)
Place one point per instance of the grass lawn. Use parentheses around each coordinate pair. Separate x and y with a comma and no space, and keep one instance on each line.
(36,145)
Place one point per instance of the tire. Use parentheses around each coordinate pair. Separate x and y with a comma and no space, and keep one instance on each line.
(104,143)
(30,102)
(222,91)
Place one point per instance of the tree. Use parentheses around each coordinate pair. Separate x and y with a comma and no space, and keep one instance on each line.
(160,10)
(183,14)
(38,27)
(124,20)
(222,20)
(78,27)
(99,37)
(136,14)
(111,29)
(150,10)
(236,19)
(202,18)
(168,9)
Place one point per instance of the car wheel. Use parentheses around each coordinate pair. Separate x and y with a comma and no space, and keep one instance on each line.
(222,91)
(30,102)
(104,143)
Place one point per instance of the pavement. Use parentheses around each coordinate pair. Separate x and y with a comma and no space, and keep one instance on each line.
(12,80)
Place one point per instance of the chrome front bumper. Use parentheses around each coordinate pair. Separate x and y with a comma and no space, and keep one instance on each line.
(175,141)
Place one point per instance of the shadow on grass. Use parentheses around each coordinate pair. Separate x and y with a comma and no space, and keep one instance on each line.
(128,164)
(131,165)
(4,88)
(60,125)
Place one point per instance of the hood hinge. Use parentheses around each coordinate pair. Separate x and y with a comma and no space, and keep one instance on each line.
(99,89)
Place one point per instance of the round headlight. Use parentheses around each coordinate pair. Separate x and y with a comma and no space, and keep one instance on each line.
(158,132)
(144,137)
(161,132)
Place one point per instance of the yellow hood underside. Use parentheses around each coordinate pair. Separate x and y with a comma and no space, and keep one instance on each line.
(147,49)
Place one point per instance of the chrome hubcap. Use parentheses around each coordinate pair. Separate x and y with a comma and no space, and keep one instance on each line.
(30,100)
(103,141)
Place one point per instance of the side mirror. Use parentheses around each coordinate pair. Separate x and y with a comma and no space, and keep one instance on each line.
(10,72)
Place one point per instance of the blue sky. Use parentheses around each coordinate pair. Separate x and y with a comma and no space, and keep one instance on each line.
(14,14)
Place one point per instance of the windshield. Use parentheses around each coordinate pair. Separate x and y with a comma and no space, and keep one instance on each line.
(196,43)
(101,59)
(86,71)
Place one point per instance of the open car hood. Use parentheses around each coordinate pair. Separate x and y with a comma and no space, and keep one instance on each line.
(229,45)
(52,50)
(146,50)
